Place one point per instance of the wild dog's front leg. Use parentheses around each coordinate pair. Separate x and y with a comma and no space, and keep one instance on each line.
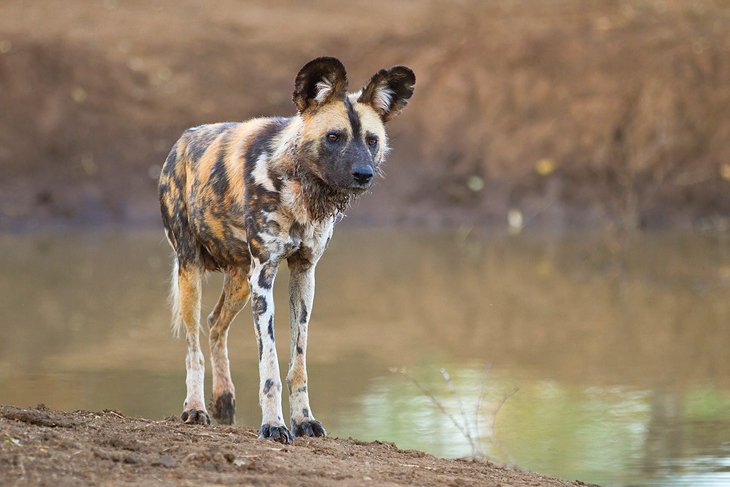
(301,297)
(261,283)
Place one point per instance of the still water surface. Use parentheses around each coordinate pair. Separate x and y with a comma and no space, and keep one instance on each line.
(620,351)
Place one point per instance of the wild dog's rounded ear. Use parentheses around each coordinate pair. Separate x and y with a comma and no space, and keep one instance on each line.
(389,90)
(319,81)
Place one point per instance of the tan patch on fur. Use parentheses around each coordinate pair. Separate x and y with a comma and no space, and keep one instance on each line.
(189,295)
(370,121)
(208,160)
(235,160)
(293,201)
(332,116)
(297,374)
(214,224)
(236,146)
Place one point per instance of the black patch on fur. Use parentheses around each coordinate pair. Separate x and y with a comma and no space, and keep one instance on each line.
(268,385)
(271,327)
(223,408)
(275,180)
(303,317)
(321,69)
(266,278)
(268,202)
(296,230)
(398,79)
(322,200)
(200,138)
(196,148)
(169,167)
(305,412)
(354,119)
(259,305)
(219,176)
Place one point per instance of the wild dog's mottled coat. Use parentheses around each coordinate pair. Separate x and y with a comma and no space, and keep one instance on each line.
(241,197)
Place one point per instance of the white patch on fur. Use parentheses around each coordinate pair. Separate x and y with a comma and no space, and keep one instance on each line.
(324,88)
(382,98)
(353,97)
(301,288)
(174,300)
(261,173)
(194,379)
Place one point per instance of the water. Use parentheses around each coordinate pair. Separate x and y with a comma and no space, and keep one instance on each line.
(619,350)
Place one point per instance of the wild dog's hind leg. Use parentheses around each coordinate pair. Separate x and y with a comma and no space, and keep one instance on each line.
(233,298)
(301,297)
(188,303)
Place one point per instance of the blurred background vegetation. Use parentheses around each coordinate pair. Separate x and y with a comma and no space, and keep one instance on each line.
(567,112)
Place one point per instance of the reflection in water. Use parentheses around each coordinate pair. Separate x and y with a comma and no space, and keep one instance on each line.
(620,355)
(611,435)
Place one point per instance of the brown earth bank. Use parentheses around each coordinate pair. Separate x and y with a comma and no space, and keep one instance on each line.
(573,112)
(39,446)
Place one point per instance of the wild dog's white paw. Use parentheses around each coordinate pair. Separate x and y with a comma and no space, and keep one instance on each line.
(276,433)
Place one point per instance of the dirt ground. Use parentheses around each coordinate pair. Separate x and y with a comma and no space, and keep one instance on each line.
(39,446)
(573,112)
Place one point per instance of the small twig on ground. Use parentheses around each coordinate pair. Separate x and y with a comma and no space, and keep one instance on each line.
(434,400)
(114,413)
(467,428)
(472,436)
(482,393)
(492,434)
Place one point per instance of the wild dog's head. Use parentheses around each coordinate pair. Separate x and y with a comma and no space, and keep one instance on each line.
(343,137)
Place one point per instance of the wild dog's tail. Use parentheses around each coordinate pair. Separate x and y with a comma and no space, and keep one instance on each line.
(174,299)
(174,218)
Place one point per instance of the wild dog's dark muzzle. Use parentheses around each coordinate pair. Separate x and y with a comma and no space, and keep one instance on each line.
(362,175)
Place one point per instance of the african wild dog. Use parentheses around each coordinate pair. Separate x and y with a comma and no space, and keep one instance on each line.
(241,197)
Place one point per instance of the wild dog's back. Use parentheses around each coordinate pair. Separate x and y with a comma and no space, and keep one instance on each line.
(202,192)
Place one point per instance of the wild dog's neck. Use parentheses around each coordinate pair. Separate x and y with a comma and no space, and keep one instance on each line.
(320,200)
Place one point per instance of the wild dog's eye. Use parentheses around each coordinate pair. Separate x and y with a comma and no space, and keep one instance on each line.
(372,140)
(333,137)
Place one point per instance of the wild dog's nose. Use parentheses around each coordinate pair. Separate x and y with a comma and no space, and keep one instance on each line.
(362,174)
